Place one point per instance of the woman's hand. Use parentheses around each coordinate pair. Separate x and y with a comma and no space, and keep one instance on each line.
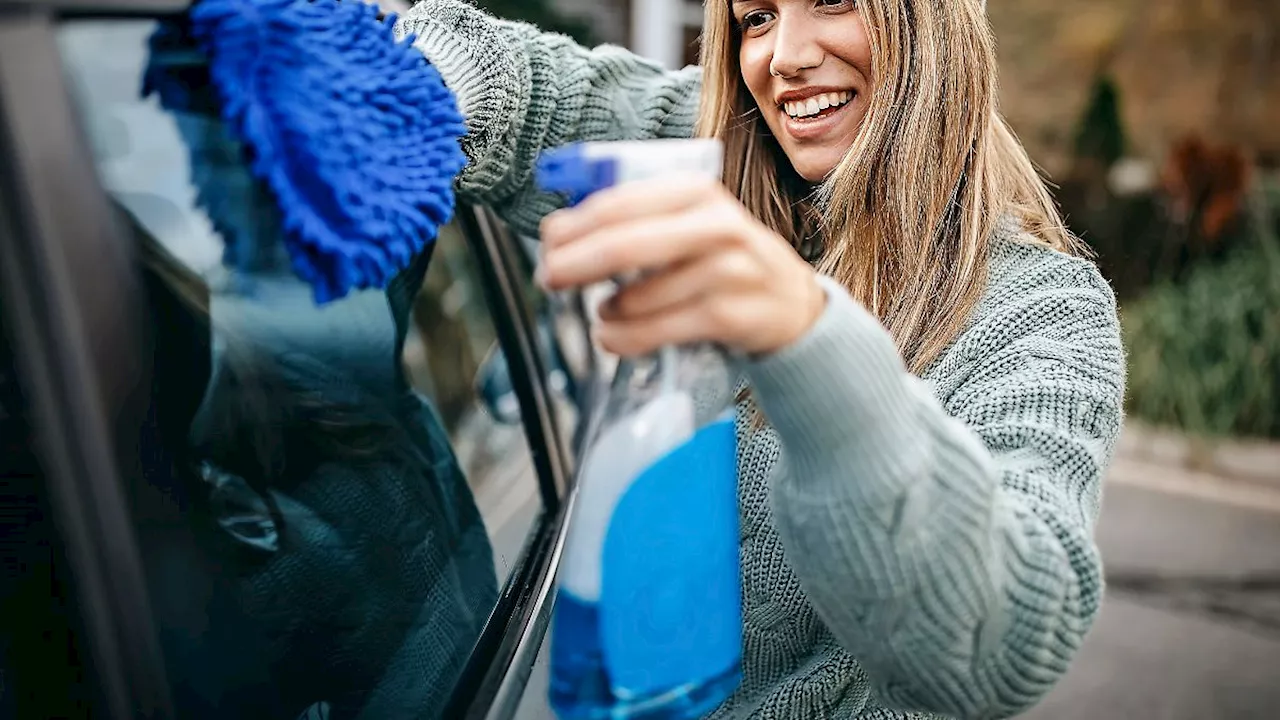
(711,272)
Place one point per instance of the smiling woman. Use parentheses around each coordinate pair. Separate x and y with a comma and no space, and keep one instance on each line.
(808,68)
(897,193)
(934,378)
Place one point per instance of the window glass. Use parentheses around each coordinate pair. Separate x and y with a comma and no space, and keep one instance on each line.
(42,663)
(343,495)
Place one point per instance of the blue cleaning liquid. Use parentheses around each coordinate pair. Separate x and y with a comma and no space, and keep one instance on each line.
(580,687)
(664,640)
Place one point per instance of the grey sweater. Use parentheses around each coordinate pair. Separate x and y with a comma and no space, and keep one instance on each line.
(911,546)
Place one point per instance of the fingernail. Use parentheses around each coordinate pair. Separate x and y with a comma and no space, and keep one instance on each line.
(540,275)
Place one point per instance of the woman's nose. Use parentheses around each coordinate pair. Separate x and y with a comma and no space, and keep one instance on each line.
(795,48)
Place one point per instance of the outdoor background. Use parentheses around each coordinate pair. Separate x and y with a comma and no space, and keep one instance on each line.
(1159,123)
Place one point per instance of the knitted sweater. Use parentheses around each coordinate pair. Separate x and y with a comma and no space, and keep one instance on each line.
(911,546)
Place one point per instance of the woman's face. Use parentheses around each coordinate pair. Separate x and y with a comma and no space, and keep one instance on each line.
(807,63)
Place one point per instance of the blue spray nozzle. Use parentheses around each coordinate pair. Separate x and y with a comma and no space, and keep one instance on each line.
(583,168)
(571,171)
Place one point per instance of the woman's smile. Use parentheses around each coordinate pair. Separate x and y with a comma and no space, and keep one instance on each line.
(819,113)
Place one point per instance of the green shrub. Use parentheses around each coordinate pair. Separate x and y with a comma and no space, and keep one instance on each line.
(1204,354)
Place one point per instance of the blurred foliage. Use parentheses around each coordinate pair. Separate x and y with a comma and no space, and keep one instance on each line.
(1100,136)
(1204,353)
(1150,222)
(540,13)
(1193,214)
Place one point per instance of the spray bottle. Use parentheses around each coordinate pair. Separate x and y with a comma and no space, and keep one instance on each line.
(648,618)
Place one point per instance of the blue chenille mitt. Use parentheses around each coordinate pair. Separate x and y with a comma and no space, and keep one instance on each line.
(355,135)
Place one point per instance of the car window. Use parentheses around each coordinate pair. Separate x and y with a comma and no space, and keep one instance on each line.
(347,486)
(40,652)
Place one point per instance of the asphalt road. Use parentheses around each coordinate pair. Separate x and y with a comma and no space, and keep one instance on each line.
(1191,625)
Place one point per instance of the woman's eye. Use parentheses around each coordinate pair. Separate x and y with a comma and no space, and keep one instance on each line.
(755,20)
(837,5)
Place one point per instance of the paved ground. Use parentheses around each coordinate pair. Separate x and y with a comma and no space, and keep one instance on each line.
(1191,626)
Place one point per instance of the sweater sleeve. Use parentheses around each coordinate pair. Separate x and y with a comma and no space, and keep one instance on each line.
(523,90)
(948,543)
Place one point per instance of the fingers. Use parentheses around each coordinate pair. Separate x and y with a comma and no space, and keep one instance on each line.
(692,321)
(703,275)
(707,270)
(637,246)
(745,321)
(627,202)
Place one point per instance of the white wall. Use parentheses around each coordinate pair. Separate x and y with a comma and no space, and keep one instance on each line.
(657,30)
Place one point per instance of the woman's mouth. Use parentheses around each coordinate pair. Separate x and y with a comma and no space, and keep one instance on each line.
(817,106)
(814,117)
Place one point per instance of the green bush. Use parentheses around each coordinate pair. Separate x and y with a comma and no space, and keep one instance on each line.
(1204,354)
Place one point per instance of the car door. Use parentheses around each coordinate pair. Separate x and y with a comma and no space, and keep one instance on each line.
(220,500)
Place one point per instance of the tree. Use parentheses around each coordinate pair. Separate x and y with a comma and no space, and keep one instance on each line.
(1100,137)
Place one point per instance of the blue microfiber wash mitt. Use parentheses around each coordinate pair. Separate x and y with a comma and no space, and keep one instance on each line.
(354,134)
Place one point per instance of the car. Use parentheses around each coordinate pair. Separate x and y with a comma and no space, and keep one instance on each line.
(220,500)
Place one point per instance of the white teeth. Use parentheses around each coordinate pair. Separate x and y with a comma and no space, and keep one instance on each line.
(816,104)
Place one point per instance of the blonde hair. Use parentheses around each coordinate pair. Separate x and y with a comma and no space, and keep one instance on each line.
(905,220)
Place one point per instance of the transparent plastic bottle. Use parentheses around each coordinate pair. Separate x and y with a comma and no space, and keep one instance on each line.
(648,618)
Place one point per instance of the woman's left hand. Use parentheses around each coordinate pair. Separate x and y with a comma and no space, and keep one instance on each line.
(711,272)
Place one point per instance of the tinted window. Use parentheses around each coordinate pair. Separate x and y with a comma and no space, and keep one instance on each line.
(42,663)
(338,508)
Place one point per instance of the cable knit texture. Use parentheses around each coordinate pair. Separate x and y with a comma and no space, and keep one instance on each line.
(912,547)
(523,90)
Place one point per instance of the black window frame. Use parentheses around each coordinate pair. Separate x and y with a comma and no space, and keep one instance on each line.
(74,307)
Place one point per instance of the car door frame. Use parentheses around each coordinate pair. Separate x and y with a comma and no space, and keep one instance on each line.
(74,306)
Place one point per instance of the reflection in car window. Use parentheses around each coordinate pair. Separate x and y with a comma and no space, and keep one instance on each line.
(451,356)
(343,505)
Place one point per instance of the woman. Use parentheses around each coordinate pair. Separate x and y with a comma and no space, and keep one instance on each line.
(941,374)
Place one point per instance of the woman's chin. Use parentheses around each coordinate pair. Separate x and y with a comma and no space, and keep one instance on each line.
(814,171)
(815,164)
(817,176)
